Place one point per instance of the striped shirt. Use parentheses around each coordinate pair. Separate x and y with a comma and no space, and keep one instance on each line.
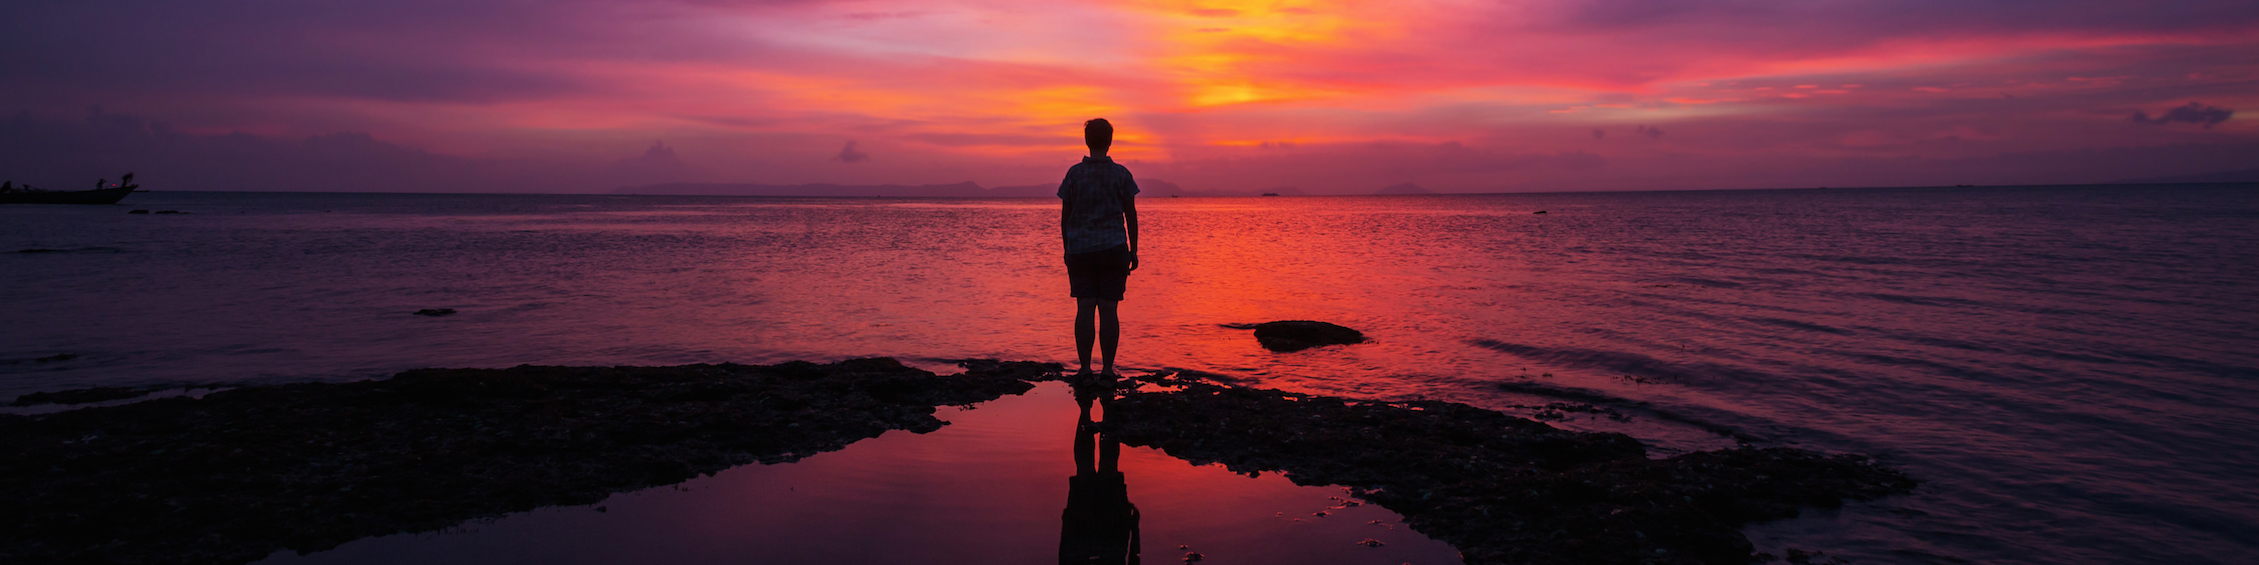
(1093,194)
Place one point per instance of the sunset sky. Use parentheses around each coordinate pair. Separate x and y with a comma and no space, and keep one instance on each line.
(1330,97)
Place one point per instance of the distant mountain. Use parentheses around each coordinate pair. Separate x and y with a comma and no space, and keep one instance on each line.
(959,190)
(1156,187)
(2246,175)
(1148,188)
(1403,188)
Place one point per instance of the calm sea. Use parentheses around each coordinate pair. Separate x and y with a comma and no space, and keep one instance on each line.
(2074,371)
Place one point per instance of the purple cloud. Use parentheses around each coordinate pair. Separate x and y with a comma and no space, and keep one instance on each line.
(2194,113)
(848,154)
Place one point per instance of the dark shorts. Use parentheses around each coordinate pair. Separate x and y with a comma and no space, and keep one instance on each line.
(1099,274)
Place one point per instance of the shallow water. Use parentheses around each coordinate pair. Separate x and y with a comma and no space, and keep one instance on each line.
(2071,369)
(989,488)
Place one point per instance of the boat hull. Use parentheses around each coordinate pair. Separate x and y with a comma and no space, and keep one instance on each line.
(103,196)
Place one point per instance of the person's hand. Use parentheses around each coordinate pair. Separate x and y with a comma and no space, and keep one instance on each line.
(1133,260)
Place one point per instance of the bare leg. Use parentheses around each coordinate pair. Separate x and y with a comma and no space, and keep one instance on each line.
(1085,442)
(1109,333)
(1109,447)
(1086,330)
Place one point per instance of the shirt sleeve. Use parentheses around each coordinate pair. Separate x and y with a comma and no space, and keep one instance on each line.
(1129,181)
(1066,182)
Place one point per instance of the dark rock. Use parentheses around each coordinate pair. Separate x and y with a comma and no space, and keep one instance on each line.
(1297,335)
(81,396)
(435,311)
(240,473)
(1538,212)
(1501,489)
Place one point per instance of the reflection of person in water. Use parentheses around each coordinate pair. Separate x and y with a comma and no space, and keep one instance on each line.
(1100,524)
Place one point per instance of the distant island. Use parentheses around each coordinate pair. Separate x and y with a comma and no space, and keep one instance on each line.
(2246,175)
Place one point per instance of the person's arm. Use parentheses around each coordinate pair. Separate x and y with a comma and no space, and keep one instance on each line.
(1129,220)
(1066,205)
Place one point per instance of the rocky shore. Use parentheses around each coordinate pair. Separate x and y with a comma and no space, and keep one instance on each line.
(240,473)
(1499,488)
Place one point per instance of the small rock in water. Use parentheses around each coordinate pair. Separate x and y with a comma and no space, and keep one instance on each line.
(1370,542)
(1297,335)
(1193,557)
(1538,212)
(435,311)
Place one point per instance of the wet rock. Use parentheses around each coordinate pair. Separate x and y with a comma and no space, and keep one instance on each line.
(1501,489)
(1801,557)
(240,473)
(435,312)
(81,396)
(1297,335)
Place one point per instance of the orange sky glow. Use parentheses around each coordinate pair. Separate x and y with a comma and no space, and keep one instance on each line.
(1331,97)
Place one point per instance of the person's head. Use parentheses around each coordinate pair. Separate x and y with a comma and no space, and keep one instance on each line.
(1098,134)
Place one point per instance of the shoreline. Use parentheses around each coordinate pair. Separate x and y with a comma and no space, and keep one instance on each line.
(235,475)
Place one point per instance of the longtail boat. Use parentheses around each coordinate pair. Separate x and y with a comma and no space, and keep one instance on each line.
(29,195)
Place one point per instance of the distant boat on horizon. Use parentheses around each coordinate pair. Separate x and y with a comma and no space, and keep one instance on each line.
(28,195)
(1270,194)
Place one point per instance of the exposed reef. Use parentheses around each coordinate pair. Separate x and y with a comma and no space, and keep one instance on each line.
(240,473)
(1499,488)
(80,396)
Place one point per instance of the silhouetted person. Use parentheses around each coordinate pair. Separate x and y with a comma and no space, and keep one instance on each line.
(1098,223)
(100,184)
(1099,524)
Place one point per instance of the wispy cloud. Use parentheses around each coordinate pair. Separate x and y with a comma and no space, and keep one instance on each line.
(2193,113)
(850,154)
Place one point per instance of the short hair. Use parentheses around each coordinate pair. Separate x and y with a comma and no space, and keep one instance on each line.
(1098,133)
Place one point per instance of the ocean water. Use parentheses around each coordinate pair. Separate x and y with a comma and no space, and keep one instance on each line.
(2073,371)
